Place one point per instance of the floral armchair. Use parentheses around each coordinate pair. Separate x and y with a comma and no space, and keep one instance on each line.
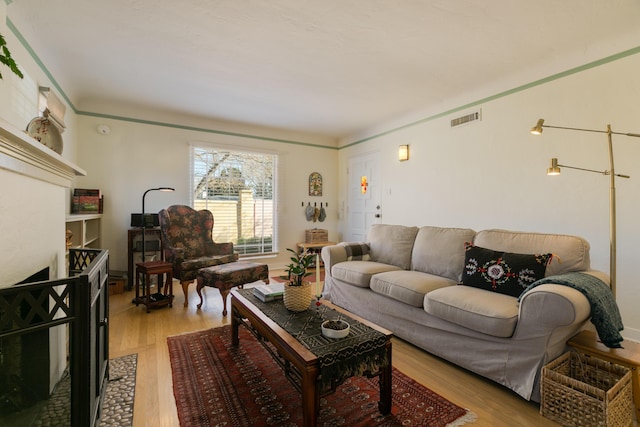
(188,245)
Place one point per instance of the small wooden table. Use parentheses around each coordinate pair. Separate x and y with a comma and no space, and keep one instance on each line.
(314,248)
(306,363)
(143,290)
(629,357)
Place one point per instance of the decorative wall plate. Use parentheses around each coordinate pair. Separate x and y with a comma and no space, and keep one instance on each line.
(315,184)
(42,130)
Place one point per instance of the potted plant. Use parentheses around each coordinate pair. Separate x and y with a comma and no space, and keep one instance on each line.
(7,59)
(297,292)
(297,270)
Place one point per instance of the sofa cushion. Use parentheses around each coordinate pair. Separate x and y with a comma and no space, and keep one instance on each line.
(476,309)
(358,273)
(356,251)
(440,251)
(407,286)
(570,253)
(503,272)
(392,244)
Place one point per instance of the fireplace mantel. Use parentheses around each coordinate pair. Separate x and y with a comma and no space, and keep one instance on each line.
(24,155)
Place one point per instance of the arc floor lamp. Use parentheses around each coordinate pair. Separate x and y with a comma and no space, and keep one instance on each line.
(555,170)
(144,222)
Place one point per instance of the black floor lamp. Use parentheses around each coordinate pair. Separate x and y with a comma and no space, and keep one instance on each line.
(144,222)
(555,170)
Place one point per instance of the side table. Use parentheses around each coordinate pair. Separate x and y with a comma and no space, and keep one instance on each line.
(314,248)
(134,241)
(164,296)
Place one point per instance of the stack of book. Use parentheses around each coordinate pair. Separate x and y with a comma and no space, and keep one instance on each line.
(266,293)
(86,201)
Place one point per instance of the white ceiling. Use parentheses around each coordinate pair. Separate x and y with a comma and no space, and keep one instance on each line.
(331,67)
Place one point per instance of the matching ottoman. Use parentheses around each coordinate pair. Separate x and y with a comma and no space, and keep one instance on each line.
(226,276)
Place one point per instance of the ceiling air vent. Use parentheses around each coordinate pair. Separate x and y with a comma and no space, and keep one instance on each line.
(467,118)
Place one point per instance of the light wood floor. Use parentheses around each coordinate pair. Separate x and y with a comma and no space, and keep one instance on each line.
(132,330)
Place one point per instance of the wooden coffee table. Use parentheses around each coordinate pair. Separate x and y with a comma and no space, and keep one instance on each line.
(290,353)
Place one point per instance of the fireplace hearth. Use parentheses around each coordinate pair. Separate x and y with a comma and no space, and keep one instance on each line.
(24,359)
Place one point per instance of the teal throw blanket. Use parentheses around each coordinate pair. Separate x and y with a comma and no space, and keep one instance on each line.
(604,311)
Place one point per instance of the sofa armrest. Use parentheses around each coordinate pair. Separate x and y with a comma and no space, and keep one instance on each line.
(332,255)
(551,306)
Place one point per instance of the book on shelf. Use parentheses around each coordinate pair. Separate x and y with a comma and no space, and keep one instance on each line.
(85,200)
(86,192)
(266,293)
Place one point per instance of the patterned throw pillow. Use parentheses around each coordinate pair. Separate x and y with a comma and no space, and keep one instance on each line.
(357,251)
(502,272)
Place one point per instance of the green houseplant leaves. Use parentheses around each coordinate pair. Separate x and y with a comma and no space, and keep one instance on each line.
(297,270)
(6,59)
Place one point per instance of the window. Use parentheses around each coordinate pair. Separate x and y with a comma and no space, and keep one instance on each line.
(238,187)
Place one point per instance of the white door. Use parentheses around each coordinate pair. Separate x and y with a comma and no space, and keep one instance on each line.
(364,207)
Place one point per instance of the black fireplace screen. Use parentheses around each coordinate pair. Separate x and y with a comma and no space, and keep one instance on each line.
(30,314)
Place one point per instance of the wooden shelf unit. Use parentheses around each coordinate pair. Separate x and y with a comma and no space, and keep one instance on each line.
(86,229)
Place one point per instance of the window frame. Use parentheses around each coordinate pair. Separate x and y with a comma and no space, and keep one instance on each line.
(193,146)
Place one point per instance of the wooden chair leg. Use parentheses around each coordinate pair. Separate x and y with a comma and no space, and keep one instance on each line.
(199,286)
(224,293)
(185,288)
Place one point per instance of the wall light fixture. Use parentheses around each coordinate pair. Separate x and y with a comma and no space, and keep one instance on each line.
(403,153)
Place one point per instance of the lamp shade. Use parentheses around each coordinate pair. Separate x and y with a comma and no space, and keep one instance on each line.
(537,129)
(554,169)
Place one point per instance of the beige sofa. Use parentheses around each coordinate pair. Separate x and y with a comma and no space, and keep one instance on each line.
(407,280)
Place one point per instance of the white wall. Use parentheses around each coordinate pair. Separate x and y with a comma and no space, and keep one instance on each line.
(491,174)
(134,157)
(32,228)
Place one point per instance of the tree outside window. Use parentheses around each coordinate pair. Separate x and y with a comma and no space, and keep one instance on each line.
(238,188)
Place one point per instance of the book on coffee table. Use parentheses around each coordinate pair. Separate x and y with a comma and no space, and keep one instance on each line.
(266,293)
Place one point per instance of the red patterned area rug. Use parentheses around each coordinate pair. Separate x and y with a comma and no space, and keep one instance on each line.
(217,385)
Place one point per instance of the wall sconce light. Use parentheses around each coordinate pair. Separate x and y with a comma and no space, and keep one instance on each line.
(403,153)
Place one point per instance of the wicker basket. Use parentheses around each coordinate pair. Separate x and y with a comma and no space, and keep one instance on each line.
(316,235)
(297,298)
(581,390)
